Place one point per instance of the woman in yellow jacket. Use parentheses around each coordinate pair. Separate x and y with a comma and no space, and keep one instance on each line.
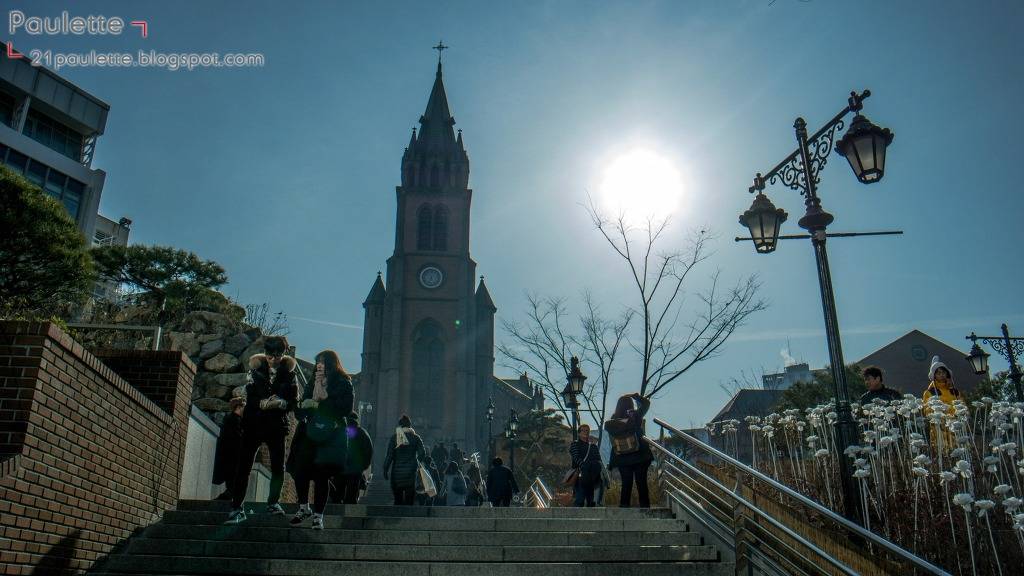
(941,386)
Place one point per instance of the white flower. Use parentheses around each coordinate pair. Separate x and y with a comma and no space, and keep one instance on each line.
(862,473)
(1011,504)
(1002,489)
(946,476)
(963,500)
(920,472)
(984,506)
(821,453)
(958,453)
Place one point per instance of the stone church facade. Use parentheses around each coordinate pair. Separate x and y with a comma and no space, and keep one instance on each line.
(428,340)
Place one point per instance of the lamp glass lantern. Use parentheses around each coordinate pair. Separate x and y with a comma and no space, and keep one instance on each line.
(763,220)
(490,409)
(513,423)
(864,147)
(978,359)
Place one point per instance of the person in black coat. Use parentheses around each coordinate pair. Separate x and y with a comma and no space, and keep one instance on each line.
(873,378)
(360,457)
(321,451)
(630,454)
(229,445)
(405,452)
(586,459)
(501,484)
(439,454)
(271,395)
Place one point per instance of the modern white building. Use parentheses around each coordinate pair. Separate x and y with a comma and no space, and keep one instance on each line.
(109,233)
(48,133)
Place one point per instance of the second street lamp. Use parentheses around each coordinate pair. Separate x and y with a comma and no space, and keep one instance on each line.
(864,146)
(490,435)
(511,433)
(571,393)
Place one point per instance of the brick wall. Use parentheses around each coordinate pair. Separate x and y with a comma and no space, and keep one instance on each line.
(90,449)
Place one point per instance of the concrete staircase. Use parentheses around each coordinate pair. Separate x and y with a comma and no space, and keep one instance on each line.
(420,541)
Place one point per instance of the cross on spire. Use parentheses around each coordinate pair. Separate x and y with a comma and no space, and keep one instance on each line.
(440,47)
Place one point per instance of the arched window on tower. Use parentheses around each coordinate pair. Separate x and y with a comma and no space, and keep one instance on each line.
(427,375)
(440,228)
(424,226)
(435,177)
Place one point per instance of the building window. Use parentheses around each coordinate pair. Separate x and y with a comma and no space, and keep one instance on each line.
(7,107)
(54,135)
(58,185)
(424,221)
(440,228)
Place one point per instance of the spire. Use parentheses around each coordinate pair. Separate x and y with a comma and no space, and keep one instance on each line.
(436,122)
(412,141)
(483,298)
(377,292)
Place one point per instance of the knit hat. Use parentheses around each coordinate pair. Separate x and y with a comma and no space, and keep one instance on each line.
(236,402)
(936,364)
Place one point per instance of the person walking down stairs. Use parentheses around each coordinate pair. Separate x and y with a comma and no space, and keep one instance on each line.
(320,452)
(405,452)
(630,454)
(270,395)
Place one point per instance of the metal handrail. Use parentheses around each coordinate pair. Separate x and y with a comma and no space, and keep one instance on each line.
(863,533)
(540,493)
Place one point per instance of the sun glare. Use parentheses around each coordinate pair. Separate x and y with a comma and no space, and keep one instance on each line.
(641,185)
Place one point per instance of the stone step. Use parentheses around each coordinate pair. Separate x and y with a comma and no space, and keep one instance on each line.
(440,511)
(430,553)
(248,533)
(192,565)
(474,524)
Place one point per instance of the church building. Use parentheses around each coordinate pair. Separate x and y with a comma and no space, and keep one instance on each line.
(428,340)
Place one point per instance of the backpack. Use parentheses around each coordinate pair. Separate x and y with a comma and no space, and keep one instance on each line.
(629,442)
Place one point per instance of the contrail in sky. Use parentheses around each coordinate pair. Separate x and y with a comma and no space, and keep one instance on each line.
(327,323)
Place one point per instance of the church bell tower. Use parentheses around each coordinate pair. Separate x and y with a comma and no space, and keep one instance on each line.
(428,341)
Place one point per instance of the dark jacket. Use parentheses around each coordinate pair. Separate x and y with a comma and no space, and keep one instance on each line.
(586,458)
(440,455)
(501,484)
(632,424)
(883,393)
(360,449)
(229,444)
(262,387)
(401,463)
(305,454)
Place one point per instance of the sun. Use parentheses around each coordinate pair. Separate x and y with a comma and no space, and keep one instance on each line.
(640,185)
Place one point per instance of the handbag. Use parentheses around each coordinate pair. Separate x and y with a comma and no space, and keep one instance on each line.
(320,429)
(424,483)
(570,477)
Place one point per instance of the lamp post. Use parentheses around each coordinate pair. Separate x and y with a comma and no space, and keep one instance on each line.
(570,395)
(1008,347)
(510,434)
(490,435)
(864,146)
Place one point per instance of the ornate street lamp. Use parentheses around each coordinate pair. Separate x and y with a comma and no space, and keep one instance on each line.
(763,220)
(490,435)
(1008,347)
(978,357)
(573,389)
(864,145)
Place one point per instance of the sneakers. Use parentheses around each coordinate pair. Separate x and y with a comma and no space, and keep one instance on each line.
(301,515)
(275,510)
(237,517)
(318,522)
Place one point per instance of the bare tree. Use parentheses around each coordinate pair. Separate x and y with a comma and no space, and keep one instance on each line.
(259,316)
(541,347)
(601,340)
(668,349)
(544,345)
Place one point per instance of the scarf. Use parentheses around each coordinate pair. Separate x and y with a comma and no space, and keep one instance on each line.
(401,438)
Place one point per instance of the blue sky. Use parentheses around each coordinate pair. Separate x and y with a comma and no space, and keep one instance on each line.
(285,174)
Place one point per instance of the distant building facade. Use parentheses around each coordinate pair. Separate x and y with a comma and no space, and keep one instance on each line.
(788,377)
(109,233)
(905,362)
(48,133)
